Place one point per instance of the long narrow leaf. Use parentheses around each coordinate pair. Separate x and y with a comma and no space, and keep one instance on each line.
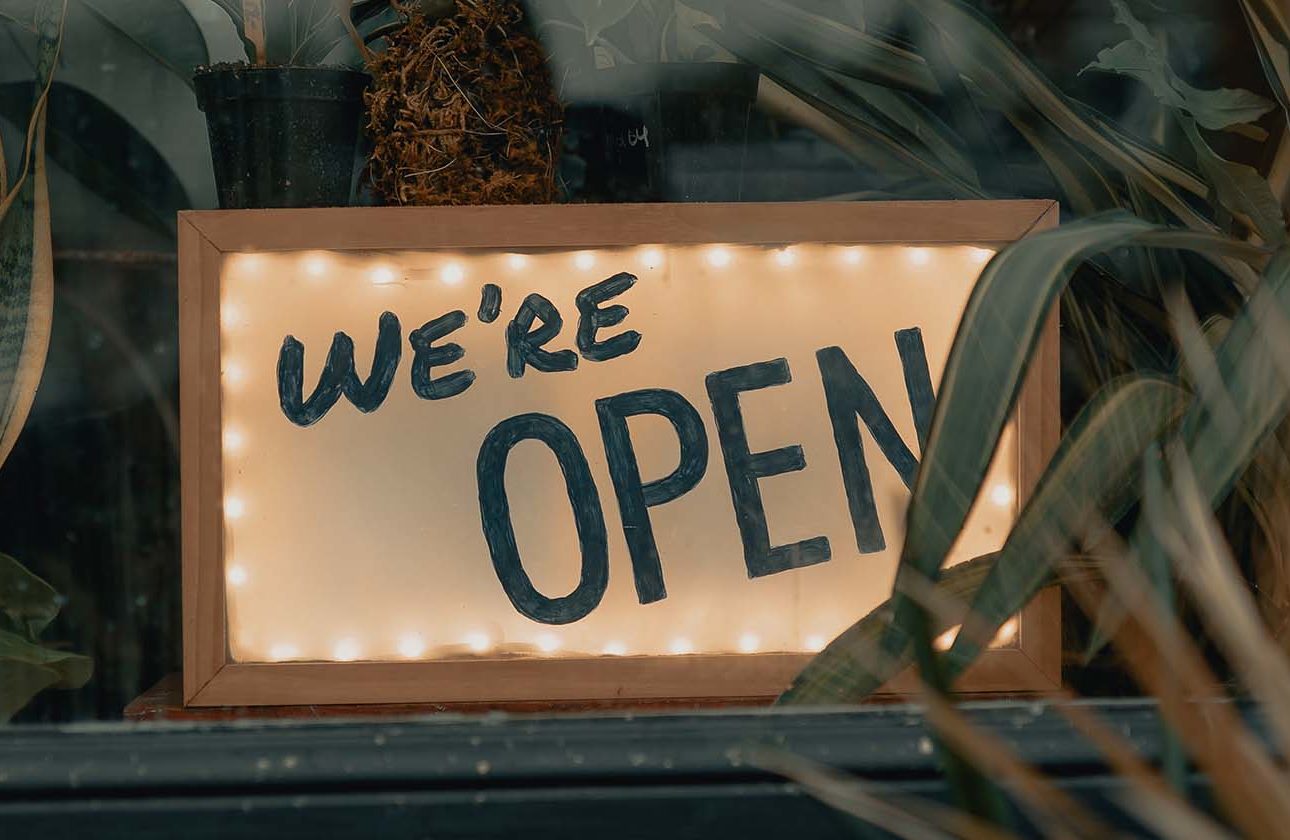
(1095,469)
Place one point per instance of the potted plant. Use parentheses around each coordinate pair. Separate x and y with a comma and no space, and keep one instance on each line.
(284,125)
(642,82)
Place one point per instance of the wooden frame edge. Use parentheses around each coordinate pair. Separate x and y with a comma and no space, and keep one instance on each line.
(1032,664)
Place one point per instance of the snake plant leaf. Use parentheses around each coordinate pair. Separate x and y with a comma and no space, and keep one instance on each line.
(852,666)
(162,29)
(991,350)
(28,602)
(26,252)
(834,45)
(598,15)
(27,669)
(1240,188)
(1267,20)
(105,153)
(1142,57)
(1093,473)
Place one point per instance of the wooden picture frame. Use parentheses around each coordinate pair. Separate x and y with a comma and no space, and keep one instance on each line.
(1031,663)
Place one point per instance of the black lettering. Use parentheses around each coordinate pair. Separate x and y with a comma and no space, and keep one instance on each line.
(635,498)
(338,374)
(490,303)
(525,347)
(593,317)
(849,397)
(744,468)
(499,532)
(426,356)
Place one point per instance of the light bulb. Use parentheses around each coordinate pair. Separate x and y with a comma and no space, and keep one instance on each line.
(315,265)
(452,274)
(283,650)
(1002,494)
(548,643)
(234,508)
(785,257)
(411,646)
(719,258)
(237,575)
(383,275)
(815,642)
(585,260)
(516,262)
(231,315)
(749,643)
(233,441)
(681,646)
(347,650)
(233,373)
(615,649)
(920,256)
(981,255)
(478,642)
(651,258)
(853,256)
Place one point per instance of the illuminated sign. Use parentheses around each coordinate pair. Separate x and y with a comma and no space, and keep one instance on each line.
(566,453)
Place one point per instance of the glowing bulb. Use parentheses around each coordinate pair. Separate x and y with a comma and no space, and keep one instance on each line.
(853,256)
(237,575)
(478,642)
(452,274)
(234,508)
(282,651)
(248,264)
(749,643)
(651,258)
(920,256)
(411,646)
(719,258)
(233,374)
(585,260)
(233,441)
(316,265)
(785,257)
(615,649)
(1006,633)
(548,643)
(946,639)
(681,646)
(981,255)
(346,650)
(815,643)
(232,315)
(383,275)
(517,262)
(1002,494)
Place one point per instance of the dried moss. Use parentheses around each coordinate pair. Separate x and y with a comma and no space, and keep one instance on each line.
(462,110)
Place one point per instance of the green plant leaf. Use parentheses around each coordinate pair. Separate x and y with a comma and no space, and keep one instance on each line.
(1094,472)
(1143,58)
(27,669)
(1238,187)
(26,252)
(105,153)
(853,665)
(598,15)
(1268,25)
(27,601)
(19,682)
(989,356)
(162,29)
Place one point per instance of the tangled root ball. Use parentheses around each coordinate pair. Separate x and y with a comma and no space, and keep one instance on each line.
(462,111)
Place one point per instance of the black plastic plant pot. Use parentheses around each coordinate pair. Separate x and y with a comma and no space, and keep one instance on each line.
(632,126)
(282,136)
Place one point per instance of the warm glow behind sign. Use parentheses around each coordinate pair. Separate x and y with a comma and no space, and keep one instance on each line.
(575,438)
